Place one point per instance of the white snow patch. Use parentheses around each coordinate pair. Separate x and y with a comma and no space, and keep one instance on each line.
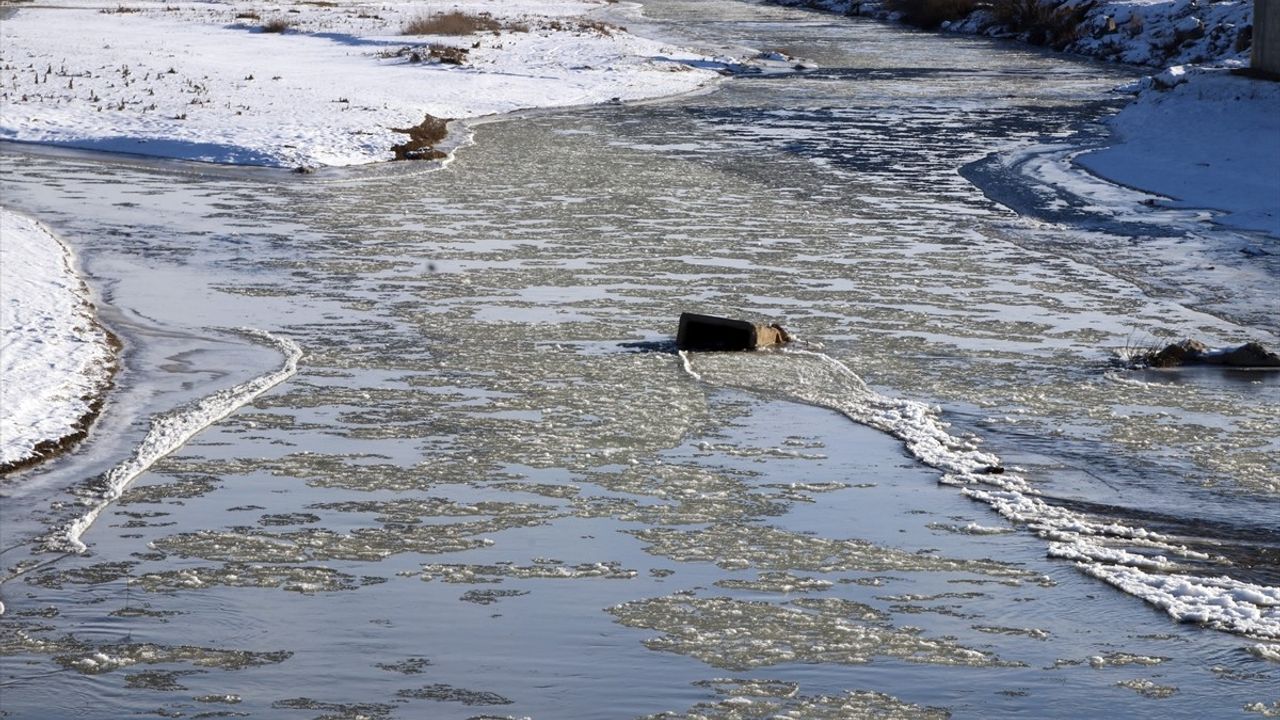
(194,81)
(55,360)
(1206,138)
(1197,134)
(976,529)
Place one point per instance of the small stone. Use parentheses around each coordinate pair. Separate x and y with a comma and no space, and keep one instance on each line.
(1250,354)
(1177,354)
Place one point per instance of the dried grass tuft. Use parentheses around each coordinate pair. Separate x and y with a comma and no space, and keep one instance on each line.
(276,25)
(452,23)
(1044,22)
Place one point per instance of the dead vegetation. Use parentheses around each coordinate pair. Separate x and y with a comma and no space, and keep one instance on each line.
(583,26)
(276,25)
(1045,23)
(931,13)
(422,140)
(459,23)
(445,54)
(442,54)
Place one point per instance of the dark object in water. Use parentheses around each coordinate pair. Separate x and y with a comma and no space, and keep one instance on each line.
(422,140)
(1194,352)
(707,332)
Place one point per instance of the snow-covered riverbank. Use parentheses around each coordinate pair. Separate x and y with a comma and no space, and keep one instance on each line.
(1195,133)
(1206,139)
(217,82)
(56,361)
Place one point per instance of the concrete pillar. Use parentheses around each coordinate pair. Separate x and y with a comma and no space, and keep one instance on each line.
(1266,37)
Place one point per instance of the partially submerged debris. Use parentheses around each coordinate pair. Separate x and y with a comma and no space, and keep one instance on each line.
(1194,352)
(707,332)
(422,140)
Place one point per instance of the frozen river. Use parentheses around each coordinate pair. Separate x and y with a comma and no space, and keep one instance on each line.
(492,489)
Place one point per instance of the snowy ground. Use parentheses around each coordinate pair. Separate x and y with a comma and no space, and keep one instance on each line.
(1195,133)
(206,81)
(1210,141)
(55,360)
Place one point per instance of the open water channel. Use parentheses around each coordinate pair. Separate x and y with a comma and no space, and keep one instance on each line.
(492,488)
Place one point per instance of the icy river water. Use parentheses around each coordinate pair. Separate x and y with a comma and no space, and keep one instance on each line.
(493,489)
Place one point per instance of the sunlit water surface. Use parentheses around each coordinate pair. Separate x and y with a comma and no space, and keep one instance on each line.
(492,489)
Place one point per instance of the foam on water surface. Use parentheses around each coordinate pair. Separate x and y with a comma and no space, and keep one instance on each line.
(820,379)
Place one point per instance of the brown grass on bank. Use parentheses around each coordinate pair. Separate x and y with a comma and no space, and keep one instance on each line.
(452,23)
(276,25)
(1043,22)
(443,54)
(582,25)
(1046,22)
(931,13)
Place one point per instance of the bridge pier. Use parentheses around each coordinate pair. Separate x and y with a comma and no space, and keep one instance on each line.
(1265,59)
